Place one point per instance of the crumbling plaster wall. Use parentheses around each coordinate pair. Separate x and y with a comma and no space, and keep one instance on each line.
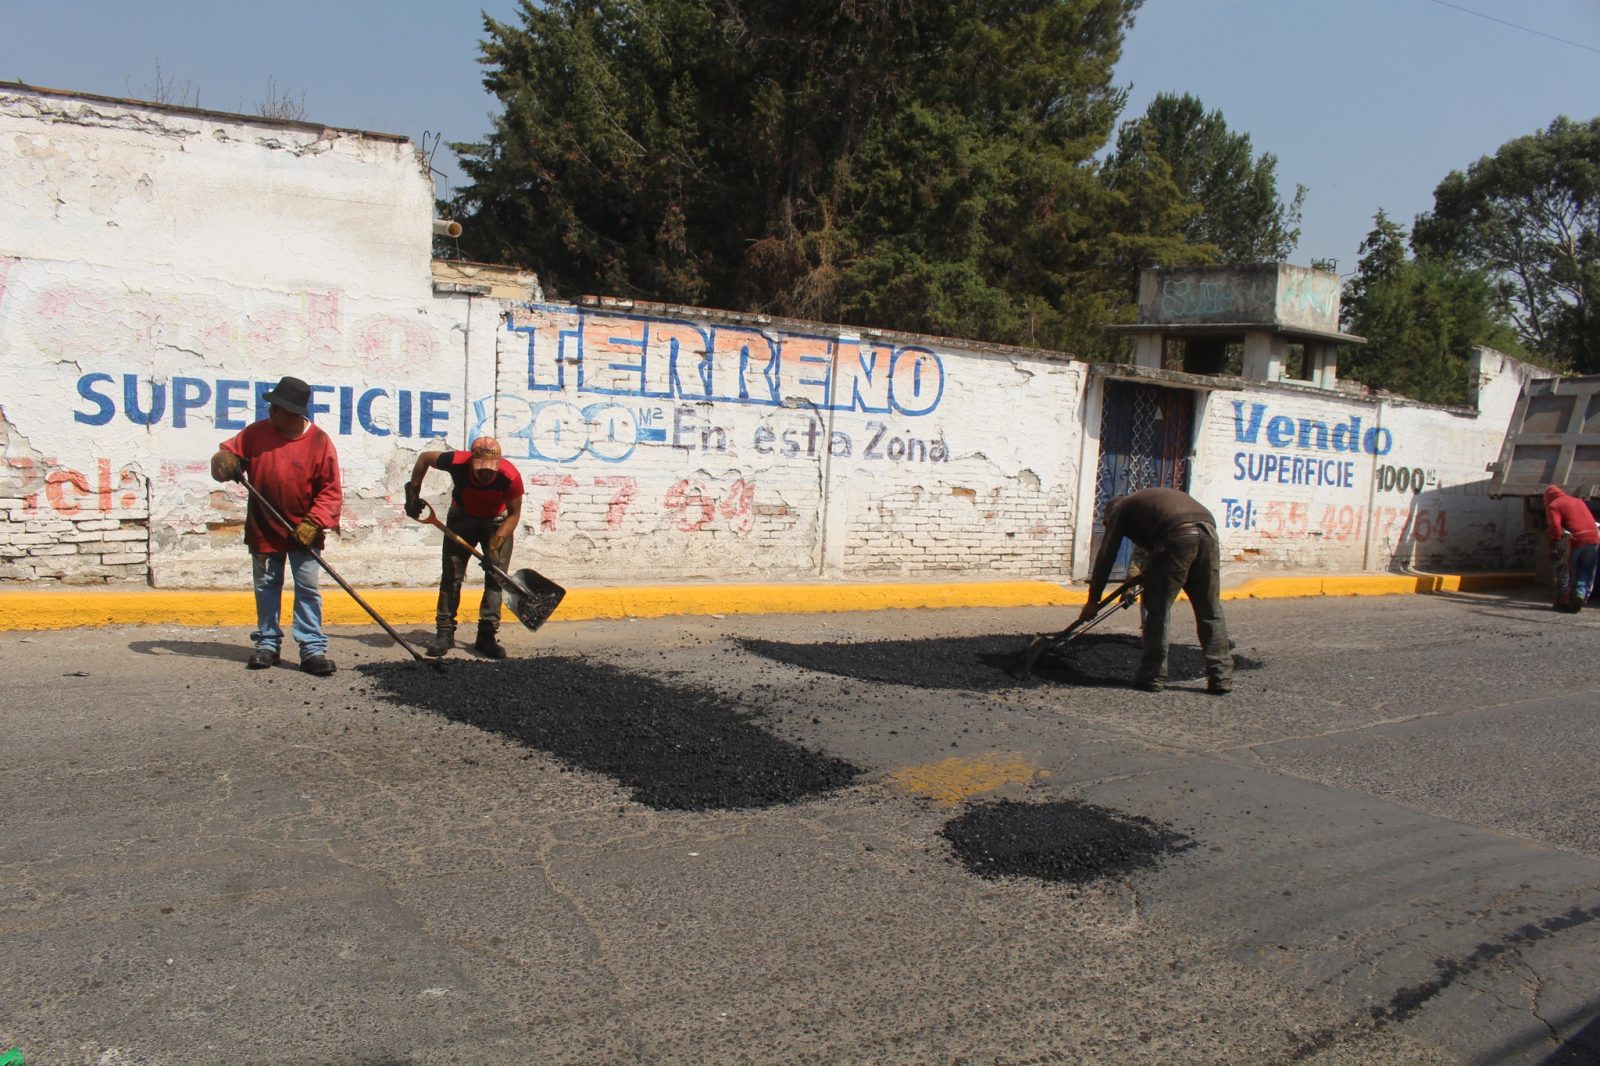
(159,268)
(663,443)
(1303,479)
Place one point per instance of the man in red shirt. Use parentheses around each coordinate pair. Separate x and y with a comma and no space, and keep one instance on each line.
(1573,540)
(293,464)
(485,508)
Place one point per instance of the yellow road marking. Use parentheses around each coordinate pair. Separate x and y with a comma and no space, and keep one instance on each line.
(949,781)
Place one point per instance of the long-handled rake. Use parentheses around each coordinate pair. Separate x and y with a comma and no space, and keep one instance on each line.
(1124,596)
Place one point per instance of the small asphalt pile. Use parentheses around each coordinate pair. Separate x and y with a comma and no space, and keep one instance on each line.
(982,663)
(1060,841)
(675,747)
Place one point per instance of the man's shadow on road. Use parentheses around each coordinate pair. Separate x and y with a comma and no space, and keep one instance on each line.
(230,651)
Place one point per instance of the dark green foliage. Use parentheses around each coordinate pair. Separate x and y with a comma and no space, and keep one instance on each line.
(915,166)
(1238,214)
(1529,216)
(1421,317)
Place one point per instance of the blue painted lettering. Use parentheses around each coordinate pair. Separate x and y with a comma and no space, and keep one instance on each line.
(106,408)
(645,356)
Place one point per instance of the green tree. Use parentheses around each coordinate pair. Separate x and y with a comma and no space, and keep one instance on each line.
(914,166)
(1529,216)
(1421,316)
(1240,216)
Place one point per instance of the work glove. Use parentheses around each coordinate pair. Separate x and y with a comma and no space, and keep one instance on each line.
(306,532)
(413,500)
(225,466)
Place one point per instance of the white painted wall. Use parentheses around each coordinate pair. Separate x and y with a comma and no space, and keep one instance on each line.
(162,258)
(1302,479)
(157,268)
(665,443)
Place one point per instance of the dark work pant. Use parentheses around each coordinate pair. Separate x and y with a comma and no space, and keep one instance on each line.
(477,532)
(1190,564)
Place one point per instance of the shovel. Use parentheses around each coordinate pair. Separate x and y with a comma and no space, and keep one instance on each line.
(532,596)
(376,617)
(1125,596)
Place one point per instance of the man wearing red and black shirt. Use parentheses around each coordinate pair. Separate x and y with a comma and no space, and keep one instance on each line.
(485,508)
(293,464)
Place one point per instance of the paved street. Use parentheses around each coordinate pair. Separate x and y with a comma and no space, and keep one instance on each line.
(1389,850)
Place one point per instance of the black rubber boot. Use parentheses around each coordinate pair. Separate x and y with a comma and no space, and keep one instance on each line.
(443,641)
(486,642)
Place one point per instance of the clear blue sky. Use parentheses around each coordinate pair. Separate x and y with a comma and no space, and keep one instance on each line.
(1367,102)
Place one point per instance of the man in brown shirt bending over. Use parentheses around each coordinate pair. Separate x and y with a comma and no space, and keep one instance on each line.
(1179,537)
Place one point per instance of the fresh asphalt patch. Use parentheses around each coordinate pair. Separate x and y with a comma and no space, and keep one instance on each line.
(676,747)
(1066,840)
(983,663)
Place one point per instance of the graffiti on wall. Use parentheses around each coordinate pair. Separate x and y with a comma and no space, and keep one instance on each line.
(68,492)
(233,403)
(584,352)
(312,328)
(1248,298)
(690,505)
(1308,453)
(1335,522)
(627,380)
(557,431)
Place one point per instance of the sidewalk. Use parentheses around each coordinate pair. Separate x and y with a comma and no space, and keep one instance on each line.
(64,606)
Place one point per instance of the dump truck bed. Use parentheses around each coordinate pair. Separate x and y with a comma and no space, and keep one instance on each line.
(1553,439)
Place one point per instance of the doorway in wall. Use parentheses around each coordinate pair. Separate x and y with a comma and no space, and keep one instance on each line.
(1146,437)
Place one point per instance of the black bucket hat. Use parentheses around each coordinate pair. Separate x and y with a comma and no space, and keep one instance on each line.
(291,394)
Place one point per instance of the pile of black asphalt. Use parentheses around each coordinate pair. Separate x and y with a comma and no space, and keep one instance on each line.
(1065,841)
(676,747)
(984,663)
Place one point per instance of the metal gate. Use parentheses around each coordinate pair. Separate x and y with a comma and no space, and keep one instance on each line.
(1146,433)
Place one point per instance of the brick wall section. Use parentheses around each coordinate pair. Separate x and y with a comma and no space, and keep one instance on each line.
(90,551)
(953,530)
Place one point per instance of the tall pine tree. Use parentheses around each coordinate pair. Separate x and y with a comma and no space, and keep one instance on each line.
(914,166)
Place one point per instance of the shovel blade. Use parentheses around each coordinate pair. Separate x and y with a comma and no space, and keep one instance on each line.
(533,598)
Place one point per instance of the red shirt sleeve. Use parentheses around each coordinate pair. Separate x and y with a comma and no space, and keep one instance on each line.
(327,504)
(509,469)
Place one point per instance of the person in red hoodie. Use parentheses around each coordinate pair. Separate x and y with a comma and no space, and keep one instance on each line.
(293,464)
(1575,542)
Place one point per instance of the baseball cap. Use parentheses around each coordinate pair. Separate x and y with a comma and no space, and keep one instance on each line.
(485,454)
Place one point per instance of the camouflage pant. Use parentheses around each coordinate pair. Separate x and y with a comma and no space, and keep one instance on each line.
(453,569)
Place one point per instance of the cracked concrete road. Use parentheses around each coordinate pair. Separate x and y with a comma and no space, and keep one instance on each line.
(1395,814)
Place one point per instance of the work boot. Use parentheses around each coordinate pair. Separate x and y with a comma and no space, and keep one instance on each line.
(317,665)
(1218,687)
(261,659)
(443,641)
(487,643)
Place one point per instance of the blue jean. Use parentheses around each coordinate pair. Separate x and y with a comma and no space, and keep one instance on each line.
(306,627)
(1581,566)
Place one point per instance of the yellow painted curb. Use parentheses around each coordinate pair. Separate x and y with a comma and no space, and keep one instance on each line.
(60,607)
(1266,588)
